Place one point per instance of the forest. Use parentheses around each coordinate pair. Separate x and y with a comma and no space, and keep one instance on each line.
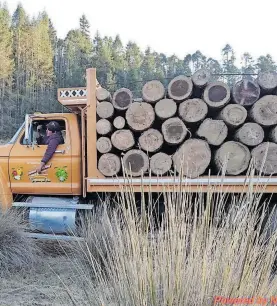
(34,62)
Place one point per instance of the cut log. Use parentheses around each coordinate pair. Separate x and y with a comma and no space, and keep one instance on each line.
(105,110)
(119,122)
(217,94)
(153,91)
(193,110)
(122,99)
(160,163)
(174,130)
(103,94)
(214,131)
(140,116)
(104,145)
(251,134)
(273,134)
(123,140)
(135,162)
(180,88)
(109,164)
(267,81)
(192,158)
(165,108)
(246,92)
(151,140)
(264,111)
(233,115)
(232,158)
(103,127)
(201,78)
(265,158)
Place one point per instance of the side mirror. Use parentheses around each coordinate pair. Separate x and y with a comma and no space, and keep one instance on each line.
(26,137)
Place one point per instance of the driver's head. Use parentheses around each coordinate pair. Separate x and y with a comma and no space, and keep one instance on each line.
(53,127)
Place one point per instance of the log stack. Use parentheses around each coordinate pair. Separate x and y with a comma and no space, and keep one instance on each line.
(193,126)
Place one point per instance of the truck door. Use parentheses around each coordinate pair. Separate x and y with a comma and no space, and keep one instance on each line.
(56,178)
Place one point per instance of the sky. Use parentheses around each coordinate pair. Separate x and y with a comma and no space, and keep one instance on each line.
(172,27)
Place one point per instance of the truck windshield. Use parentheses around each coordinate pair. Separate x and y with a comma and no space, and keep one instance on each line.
(14,138)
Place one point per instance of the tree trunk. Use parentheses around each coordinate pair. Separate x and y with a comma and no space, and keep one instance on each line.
(233,115)
(174,130)
(192,158)
(123,140)
(103,127)
(180,88)
(109,164)
(201,78)
(160,163)
(265,158)
(104,145)
(165,108)
(122,99)
(153,91)
(140,116)
(246,92)
(251,134)
(214,131)
(217,94)
(264,111)
(193,110)
(273,134)
(135,162)
(105,110)
(267,81)
(103,94)
(119,122)
(151,140)
(232,156)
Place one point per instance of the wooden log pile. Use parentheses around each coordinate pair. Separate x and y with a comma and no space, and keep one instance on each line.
(193,126)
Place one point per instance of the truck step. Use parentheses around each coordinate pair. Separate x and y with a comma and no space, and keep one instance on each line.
(52,237)
(54,205)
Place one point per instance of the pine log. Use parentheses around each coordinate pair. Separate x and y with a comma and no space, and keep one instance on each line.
(109,164)
(233,115)
(105,110)
(267,81)
(166,108)
(153,91)
(264,111)
(214,131)
(103,127)
(251,134)
(119,122)
(232,158)
(201,77)
(122,99)
(192,158)
(151,140)
(104,145)
(174,130)
(217,94)
(265,158)
(273,134)
(123,140)
(180,88)
(135,162)
(246,92)
(193,110)
(160,163)
(140,116)
(103,94)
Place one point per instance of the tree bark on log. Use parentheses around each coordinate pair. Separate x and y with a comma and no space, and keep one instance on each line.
(151,140)
(264,111)
(265,158)
(246,92)
(103,127)
(122,99)
(201,77)
(267,81)
(273,134)
(214,131)
(119,122)
(174,130)
(105,110)
(251,134)
(193,110)
(104,145)
(103,94)
(153,91)
(160,163)
(135,162)
(180,88)
(140,116)
(123,140)
(217,94)
(232,158)
(109,164)
(165,108)
(233,115)
(192,158)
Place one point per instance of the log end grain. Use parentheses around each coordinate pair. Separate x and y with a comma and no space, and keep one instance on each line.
(135,162)
(234,115)
(151,140)
(105,110)
(180,88)
(103,94)
(122,99)
(251,134)
(104,145)
(246,92)
(109,164)
(160,163)
(201,77)
(267,80)
(166,108)
(119,122)
(273,134)
(103,127)
(193,110)
(265,158)
(217,94)
(174,130)
(153,91)
(123,140)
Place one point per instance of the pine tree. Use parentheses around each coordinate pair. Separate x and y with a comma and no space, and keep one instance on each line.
(84,25)
(247,65)
(265,63)
(229,66)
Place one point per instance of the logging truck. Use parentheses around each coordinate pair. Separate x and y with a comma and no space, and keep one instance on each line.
(102,133)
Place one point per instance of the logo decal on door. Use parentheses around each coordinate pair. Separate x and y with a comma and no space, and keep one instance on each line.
(61,173)
(17,173)
(39,178)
